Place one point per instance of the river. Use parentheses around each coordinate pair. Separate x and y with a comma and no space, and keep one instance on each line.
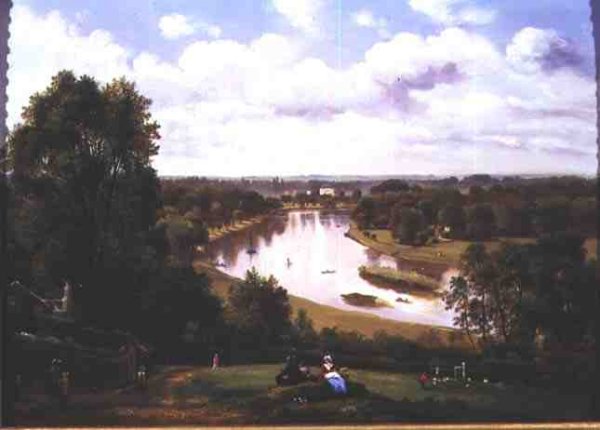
(314,242)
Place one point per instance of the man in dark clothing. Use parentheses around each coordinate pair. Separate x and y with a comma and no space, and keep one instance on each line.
(291,373)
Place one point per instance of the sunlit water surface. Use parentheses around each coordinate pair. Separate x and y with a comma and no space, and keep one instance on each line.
(314,242)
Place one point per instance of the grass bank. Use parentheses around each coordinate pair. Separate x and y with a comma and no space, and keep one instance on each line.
(328,316)
(365,301)
(217,233)
(242,395)
(438,257)
(401,281)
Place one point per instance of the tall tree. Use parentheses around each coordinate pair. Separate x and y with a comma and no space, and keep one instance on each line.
(83,153)
(259,308)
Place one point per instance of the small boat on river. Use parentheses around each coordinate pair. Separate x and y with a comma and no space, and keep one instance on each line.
(327,272)
(251,249)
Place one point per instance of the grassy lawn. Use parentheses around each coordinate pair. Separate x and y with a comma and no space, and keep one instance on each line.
(483,398)
(238,395)
(447,253)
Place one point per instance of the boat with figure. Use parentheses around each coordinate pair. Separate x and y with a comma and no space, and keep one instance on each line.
(327,272)
(251,249)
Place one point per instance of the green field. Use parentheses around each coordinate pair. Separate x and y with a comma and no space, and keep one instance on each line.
(243,386)
(247,395)
(447,253)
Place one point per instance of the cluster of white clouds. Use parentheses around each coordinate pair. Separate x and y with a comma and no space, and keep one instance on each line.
(451,102)
(366,19)
(454,12)
(174,26)
(301,14)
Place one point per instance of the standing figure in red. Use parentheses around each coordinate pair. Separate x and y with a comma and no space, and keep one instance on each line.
(215,361)
(424,379)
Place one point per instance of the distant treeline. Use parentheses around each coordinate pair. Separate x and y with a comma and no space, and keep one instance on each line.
(193,206)
(417,213)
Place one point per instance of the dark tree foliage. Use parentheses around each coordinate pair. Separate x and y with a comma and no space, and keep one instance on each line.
(365,212)
(180,309)
(391,185)
(410,223)
(551,214)
(81,161)
(453,216)
(260,311)
(481,222)
(509,295)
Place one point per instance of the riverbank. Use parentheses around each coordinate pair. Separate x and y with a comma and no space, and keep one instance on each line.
(218,233)
(365,301)
(433,260)
(400,281)
(364,323)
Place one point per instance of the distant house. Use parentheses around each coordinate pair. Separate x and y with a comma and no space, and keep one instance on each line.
(326,191)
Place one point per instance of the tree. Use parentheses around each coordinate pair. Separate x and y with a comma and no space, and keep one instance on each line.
(453,216)
(428,210)
(260,309)
(185,233)
(303,328)
(411,223)
(458,299)
(391,185)
(82,154)
(481,223)
(365,212)
(551,215)
(564,285)
(178,308)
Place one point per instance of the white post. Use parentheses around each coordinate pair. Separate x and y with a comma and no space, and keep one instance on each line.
(464,370)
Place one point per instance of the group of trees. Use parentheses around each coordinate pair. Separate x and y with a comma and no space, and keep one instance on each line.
(192,206)
(525,208)
(518,292)
(84,209)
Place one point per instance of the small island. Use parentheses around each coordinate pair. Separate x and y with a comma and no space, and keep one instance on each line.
(364,300)
(400,281)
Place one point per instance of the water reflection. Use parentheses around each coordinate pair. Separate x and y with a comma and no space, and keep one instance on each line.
(299,247)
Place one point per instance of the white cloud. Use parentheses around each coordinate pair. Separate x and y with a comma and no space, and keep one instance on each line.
(453,12)
(447,103)
(533,49)
(365,18)
(42,45)
(301,14)
(175,26)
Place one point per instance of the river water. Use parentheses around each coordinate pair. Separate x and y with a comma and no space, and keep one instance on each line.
(314,242)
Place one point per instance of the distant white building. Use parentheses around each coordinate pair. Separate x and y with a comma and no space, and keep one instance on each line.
(326,191)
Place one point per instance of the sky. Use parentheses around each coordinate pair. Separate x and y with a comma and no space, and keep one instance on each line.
(333,87)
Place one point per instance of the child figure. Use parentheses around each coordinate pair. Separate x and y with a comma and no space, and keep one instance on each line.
(215,361)
(424,379)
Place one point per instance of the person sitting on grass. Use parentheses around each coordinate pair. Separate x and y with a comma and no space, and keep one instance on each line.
(291,373)
(424,380)
(330,375)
